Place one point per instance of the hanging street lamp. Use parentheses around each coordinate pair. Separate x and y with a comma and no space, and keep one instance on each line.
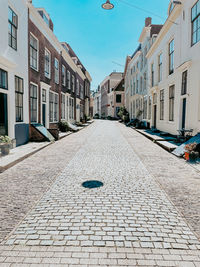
(108,5)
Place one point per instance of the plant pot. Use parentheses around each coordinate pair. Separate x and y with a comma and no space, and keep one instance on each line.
(194,155)
(5,149)
(187,156)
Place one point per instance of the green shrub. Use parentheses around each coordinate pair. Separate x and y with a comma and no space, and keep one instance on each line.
(5,139)
(63,126)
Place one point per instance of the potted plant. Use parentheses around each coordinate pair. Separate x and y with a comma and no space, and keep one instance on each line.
(190,152)
(5,142)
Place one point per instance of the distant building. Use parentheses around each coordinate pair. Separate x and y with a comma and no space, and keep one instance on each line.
(116,99)
(136,77)
(107,85)
(97,102)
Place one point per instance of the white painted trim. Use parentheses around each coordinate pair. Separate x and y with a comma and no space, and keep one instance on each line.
(38,48)
(37,100)
(47,88)
(45,49)
(50,91)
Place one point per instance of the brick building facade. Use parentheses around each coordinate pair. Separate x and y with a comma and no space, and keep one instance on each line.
(59,84)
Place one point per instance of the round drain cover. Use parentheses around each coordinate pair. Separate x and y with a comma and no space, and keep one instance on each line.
(92,184)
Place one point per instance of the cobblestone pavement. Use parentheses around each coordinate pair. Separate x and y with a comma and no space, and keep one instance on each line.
(127,222)
(23,185)
(177,177)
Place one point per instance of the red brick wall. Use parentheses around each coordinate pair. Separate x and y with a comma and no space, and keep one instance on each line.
(39,76)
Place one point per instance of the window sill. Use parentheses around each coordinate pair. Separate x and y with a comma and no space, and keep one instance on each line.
(34,69)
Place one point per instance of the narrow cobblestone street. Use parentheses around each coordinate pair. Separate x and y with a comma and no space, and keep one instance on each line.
(130,221)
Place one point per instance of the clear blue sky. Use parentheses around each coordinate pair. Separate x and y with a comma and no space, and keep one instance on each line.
(99,36)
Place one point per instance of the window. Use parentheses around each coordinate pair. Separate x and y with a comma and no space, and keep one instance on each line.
(196,23)
(133,108)
(63,75)
(77,87)
(171,57)
(45,19)
(51,100)
(171,8)
(81,91)
(154,98)
(67,107)
(152,75)
(141,84)
(53,107)
(137,85)
(47,64)
(142,62)
(12,28)
(3,79)
(44,96)
(184,83)
(171,102)
(19,91)
(134,87)
(73,83)
(68,80)
(33,102)
(33,52)
(160,68)
(118,98)
(56,108)
(62,106)
(145,109)
(71,108)
(149,117)
(56,66)
(162,104)
(145,81)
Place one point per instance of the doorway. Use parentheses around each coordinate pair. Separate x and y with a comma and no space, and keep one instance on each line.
(183,113)
(3,114)
(154,116)
(44,115)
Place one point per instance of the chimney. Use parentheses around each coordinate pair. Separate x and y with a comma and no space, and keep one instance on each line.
(148,21)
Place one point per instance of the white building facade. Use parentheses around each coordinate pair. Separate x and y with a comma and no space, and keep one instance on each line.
(136,79)
(14,111)
(97,102)
(174,61)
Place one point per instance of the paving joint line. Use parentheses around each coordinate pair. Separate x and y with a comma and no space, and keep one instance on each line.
(161,187)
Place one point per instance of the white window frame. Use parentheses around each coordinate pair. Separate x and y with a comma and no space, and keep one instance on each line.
(63,76)
(73,83)
(68,80)
(63,112)
(56,76)
(47,52)
(37,101)
(77,87)
(54,93)
(36,69)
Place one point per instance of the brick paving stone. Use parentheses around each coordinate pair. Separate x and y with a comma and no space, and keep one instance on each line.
(178,178)
(128,221)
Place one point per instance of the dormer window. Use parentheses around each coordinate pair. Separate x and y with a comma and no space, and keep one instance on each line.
(171,8)
(45,19)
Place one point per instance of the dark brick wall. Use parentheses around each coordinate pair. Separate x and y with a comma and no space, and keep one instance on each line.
(39,76)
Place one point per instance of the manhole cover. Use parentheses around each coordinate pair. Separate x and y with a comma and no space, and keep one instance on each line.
(92,184)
